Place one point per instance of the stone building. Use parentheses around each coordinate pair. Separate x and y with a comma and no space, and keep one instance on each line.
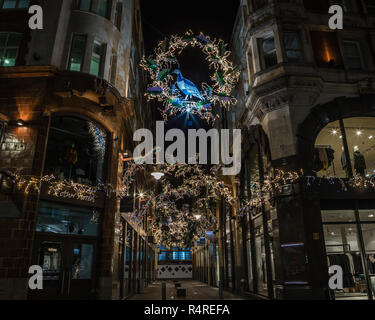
(70,100)
(305,102)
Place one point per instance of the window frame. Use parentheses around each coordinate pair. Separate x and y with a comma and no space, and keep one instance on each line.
(6,47)
(101,57)
(71,50)
(263,54)
(16,6)
(300,47)
(346,57)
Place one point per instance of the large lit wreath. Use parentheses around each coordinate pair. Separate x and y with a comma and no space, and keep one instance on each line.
(182,95)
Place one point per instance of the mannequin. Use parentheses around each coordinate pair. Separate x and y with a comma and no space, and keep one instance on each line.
(359,163)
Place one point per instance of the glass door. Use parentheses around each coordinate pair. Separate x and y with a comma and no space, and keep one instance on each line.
(68,268)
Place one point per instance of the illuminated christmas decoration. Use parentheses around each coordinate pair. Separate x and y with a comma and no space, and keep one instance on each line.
(182,95)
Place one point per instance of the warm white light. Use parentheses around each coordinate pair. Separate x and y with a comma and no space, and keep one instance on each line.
(355,148)
(157,175)
(334,132)
(370,137)
(198,216)
(370,215)
(359,132)
(340,137)
(141,194)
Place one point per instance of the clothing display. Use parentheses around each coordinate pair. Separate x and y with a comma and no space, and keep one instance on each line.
(359,163)
(370,259)
(323,158)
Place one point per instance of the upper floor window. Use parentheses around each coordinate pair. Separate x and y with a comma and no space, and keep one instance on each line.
(9,47)
(352,55)
(85,5)
(118,15)
(269,52)
(292,47)
(370,6)
(14,4)
(103,9)
(76,150)
(77,52)
(97,59)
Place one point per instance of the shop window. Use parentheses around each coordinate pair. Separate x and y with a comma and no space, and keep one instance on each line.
(14,4)
(370,6)
(85,5)
(292,47)
(83,255)
(76,150)
(330,157)
(326,49)
(269,53)
(97,59)
(77,53)
(9,48)
(61,219)
(352,55)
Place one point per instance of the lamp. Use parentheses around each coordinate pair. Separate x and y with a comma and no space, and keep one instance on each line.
(20,123)
(157,175)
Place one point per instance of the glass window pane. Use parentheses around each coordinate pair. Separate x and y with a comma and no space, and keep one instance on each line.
(338,216)
(293,55)
(50,260)
(9,4)
(77,52)
(55,218)
(3,39)
(367,215)
(291,41)
(103,8)
(85,5)
(82,261)
(94,67)
(268,45)
(23,3)
(14,39)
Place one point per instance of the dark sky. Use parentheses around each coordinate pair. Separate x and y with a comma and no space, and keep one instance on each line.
(165,17)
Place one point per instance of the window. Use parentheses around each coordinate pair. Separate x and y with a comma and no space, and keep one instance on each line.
(97,59)
(77,53)
(85,5)
(352,55)
(14,4)
(9,47)
(370,6)
(269,52)
(292,47)
(103,8)
(76,150)
(118,15)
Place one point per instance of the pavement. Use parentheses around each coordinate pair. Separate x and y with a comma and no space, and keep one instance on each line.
(195,290)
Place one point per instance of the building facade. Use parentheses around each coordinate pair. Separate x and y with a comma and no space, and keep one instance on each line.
(305,105)
(71,97)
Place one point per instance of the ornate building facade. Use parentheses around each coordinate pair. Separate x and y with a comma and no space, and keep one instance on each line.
(71,97)
(306,108)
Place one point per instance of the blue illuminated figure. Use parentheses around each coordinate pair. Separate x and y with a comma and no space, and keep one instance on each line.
(186,86)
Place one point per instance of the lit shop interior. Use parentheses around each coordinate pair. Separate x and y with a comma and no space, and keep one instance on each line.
(345,149)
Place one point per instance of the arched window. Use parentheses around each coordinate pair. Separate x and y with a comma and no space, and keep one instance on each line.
(349,148)
(76,150)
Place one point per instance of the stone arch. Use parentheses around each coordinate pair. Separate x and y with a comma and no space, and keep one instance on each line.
(322,115)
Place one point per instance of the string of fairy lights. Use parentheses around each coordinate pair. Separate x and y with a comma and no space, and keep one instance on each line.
(180,226)
(162,64)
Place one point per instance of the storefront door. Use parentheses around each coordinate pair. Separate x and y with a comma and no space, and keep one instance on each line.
(68,265)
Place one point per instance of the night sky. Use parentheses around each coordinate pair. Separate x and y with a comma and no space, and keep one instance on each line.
(164,18)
